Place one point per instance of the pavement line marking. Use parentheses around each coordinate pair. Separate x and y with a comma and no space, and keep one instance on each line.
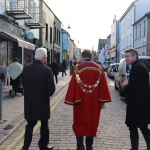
(53,105)
(59,99)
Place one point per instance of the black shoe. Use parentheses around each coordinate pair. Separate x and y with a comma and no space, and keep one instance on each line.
(89,148)
(24,149)
(47,148)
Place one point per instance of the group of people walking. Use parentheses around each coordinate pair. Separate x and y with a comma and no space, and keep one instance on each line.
(87,92)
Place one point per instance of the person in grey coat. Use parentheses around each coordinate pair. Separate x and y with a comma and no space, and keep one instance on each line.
(137,93)
(38,86)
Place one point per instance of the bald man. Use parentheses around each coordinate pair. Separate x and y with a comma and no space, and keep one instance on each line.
(38,86)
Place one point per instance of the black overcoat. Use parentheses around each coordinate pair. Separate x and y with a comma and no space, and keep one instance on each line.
(138,96)
(38,84)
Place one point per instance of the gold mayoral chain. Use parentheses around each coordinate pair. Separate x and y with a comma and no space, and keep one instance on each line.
(85,87)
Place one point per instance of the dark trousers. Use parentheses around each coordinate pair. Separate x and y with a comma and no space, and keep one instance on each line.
(80,145)
(134,136)
(55,75)
(64,71)
(44,132)
(15,83)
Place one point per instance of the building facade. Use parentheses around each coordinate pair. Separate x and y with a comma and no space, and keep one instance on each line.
(142,35)
(126,30)
(16,40)
(108,47)
(50,35)
(65,46)
(114,40)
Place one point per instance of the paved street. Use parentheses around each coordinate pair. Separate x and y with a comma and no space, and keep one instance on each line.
(112,133)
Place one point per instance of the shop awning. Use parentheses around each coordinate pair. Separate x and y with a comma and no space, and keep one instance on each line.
(21,43)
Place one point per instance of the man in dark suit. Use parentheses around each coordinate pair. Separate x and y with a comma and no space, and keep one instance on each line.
(138,100)
(38,86)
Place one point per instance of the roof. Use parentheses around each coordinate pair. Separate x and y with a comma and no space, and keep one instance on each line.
(147,14)
(132,4)
(50,10)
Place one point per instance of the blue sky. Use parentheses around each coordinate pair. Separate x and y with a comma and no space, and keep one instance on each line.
(89,19)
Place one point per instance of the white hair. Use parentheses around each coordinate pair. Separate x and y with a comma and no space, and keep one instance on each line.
(40,53)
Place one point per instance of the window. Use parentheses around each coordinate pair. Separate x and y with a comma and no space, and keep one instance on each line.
(57,35)
(51,31)
(128,23)
(136,33)
(124,43)
(139,35)
(46,32)
(127,41)
(124,26)
(130,20)
(144,28)
(130,39)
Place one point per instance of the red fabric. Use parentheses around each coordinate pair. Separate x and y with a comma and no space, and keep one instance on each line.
(87,106)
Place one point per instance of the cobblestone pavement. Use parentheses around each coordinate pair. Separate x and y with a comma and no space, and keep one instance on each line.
(112,132)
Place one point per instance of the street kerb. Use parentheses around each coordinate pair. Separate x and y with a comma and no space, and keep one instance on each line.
(16,122)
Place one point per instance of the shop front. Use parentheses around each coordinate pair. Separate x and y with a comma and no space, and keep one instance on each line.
(12,46)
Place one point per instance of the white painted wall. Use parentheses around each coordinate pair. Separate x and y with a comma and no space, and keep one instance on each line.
(126,31)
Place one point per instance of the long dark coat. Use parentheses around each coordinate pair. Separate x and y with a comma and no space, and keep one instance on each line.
(138,96)
(55,68)
(38,86)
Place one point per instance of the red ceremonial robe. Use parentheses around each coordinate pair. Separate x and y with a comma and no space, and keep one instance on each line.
(87,95)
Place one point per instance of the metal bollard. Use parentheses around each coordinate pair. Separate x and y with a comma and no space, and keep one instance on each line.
(1,99)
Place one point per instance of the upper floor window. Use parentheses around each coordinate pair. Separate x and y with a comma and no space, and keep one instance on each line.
(130,39)
(139,31)
(144,28)
(130,20)
(51,33)
(57,35)
(59,38)
(128,23)
(46,32)
(124,26)
(136,30)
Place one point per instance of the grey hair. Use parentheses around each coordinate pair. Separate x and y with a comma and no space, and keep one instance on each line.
(132,51)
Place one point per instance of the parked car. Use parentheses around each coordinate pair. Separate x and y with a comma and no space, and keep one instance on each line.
(111,71)
(123,72)
(106,64)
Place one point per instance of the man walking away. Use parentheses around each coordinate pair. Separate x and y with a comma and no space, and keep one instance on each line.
(64,66)
(87,92)
(138,100)
(55,68)
(38,86)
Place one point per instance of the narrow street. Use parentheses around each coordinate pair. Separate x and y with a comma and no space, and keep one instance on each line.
(112,132)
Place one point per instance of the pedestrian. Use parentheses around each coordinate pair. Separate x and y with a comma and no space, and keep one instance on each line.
(87,92)
(55,68)
(70,63)
(15,71)
(38,86)
(138,99)
(72,67)
(64,66)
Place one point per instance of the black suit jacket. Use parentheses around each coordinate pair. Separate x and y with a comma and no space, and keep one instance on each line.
(38,86)
(138,96)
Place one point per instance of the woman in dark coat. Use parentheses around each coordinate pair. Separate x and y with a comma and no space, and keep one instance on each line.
(38,86)
(138,100)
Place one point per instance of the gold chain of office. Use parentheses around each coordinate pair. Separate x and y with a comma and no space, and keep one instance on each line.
(85,87)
